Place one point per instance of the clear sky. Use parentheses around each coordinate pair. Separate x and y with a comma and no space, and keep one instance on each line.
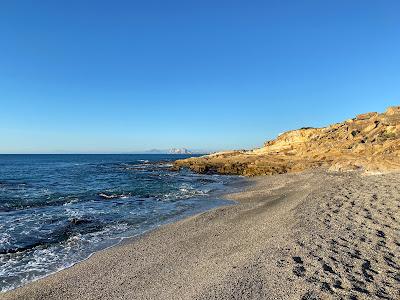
(120,76)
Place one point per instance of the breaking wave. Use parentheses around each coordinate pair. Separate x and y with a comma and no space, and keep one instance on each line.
(58,210)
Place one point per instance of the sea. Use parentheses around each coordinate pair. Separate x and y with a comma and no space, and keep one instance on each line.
(57,210)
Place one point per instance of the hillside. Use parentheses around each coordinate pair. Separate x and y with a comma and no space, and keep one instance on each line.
(369,142)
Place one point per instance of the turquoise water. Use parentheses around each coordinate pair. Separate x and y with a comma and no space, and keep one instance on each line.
(56,210)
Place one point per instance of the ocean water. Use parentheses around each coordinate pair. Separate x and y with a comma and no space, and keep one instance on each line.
(56,210)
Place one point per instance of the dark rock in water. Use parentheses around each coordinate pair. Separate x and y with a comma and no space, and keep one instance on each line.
(21,249)
(76,221)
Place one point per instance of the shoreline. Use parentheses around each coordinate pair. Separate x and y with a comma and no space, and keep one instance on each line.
(237,185)
(285,238)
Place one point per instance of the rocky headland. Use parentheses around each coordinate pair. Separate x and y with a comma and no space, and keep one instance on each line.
(369,142)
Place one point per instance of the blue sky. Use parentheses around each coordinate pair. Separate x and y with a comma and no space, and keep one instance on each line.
(121,76)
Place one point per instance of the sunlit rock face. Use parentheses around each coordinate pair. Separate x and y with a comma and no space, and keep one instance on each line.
(369,142)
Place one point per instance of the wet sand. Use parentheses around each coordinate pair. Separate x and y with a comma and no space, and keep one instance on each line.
(313,235)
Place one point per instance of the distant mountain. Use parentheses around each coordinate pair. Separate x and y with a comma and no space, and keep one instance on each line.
(155,151)
(179,151)
(170,151)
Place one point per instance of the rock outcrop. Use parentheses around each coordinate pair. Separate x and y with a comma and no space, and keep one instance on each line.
(369,142)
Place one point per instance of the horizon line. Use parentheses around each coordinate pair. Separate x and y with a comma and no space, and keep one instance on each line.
(106,153)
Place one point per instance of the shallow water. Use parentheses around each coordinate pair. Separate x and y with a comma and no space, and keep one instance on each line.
(56,210)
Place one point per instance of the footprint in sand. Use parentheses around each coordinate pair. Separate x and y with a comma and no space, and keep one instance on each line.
(298,269)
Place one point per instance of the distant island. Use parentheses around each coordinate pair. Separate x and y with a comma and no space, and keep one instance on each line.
(172,151)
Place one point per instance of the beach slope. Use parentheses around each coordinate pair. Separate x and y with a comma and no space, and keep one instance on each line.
(310,235)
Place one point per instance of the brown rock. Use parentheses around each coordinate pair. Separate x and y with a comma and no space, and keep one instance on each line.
(367,116)
(393,110)
(370,142)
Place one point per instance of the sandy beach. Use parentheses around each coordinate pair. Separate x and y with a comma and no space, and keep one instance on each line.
(200,150)
(310,235)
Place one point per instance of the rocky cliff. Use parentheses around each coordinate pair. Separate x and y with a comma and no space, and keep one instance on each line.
(369,142)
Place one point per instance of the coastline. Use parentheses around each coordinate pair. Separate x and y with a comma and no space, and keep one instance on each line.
(310,234)
(214,199)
